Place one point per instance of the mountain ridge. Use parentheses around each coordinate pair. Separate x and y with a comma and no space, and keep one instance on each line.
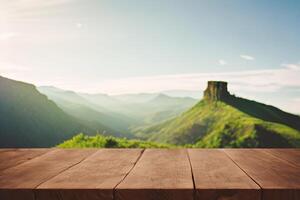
(29,119)
(137,109)
(213,122)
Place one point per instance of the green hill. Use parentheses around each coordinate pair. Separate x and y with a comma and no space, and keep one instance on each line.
(223,120)
(29,119)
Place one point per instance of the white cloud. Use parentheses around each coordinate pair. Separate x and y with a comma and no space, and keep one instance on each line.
(7,35)
(9,69)
(296,100)
(264,80)
(292,66)
(79,25)
(222,62)
(268,80)
(37,3)
(247,57)
(26,10)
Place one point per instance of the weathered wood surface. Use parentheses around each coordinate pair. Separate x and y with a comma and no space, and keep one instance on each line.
(18,182)
(278,178)
(13,157)
(100,173)
(291,155)
(159,174)
(152,174)
(217,177)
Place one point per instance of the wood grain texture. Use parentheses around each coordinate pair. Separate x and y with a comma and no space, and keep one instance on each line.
(158,175)
(217,177)
(290,155)
(13,157)
(7,149)
(93,179)
(279,180)
(18,182)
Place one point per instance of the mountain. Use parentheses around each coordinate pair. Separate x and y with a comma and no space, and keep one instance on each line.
(143,108)
(164,107)
(87,109)
(66,97)
(30,119)
(119,112)
(149,109)
(135,98)
(223,120)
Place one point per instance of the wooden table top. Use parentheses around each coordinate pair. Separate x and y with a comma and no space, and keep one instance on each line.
(151,174)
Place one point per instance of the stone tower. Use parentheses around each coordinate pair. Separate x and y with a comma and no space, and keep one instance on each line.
(216,91)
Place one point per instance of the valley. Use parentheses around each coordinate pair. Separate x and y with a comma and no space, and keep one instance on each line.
(47,116)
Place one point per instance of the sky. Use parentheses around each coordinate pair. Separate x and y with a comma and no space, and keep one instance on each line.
(133,46)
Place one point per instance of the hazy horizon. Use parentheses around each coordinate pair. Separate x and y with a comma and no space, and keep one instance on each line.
(118,47)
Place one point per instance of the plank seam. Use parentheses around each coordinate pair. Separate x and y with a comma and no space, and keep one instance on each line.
(26,160)
(193,178)
(66,169)
(261,189)
(130,170)
(34,193)
(282,159)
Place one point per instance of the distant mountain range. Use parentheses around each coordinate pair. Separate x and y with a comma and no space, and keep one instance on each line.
(46,116)
(223,120)
(91,113)
(29,119)
(120,112)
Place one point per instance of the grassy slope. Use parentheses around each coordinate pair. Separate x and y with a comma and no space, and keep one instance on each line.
(264,112)
(29,119)
(216,124)
(100,141)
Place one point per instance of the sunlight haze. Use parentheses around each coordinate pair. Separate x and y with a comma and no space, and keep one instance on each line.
(139,46)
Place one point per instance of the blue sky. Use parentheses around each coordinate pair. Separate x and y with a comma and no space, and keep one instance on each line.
(147,46)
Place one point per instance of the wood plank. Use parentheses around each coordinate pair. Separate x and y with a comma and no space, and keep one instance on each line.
(13,157)
(279,180)
(18,182)
(93,179)
(159,174)
(7,149)
(290,155)
(216,176)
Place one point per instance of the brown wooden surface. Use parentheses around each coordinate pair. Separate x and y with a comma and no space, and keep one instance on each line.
(13,157)
(217,177)
(99,174)
(290,155)
(278,179)
(153,174)
(17,182)
(159,174)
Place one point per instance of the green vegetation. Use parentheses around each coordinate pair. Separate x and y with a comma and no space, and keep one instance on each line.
(213,124)
(100,141)
(264,112)
(29,119)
